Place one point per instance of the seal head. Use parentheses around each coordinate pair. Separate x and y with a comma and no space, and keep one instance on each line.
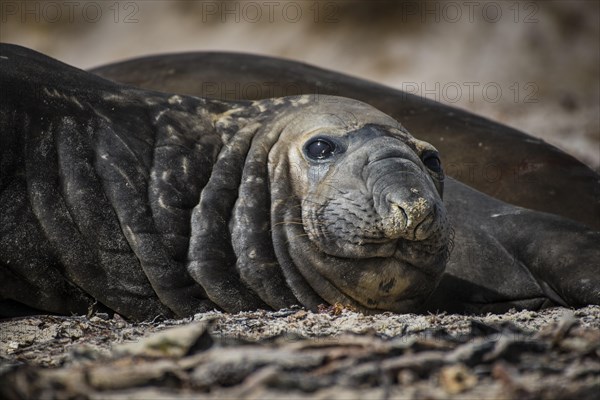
(357,210)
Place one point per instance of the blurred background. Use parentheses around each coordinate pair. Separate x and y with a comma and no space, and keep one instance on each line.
(532,65)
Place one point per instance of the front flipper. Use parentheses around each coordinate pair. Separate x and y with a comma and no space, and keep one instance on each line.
(506,256)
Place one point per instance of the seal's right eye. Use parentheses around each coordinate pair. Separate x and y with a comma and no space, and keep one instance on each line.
(319,148)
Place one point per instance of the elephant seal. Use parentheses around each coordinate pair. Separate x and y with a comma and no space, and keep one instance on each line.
(498,160)
(151,203)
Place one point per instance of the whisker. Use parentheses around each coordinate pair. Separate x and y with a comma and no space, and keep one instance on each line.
(288,223)
(315,223)
(296,236)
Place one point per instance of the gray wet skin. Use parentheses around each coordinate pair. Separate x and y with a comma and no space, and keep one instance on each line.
(157,204)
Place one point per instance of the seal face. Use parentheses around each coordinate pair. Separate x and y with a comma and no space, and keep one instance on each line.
(365,211)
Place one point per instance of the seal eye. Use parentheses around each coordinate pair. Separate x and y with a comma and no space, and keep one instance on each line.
(432,161)
(319,149)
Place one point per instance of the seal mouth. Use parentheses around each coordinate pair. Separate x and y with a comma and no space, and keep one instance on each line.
(413,287)
(378,240)
(401,280)
(409,304)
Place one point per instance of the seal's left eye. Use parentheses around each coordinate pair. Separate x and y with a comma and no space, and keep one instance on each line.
(319,149)
(432,161)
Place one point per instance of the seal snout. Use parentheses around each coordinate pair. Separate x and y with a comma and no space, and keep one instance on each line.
(410,220)
(404,198)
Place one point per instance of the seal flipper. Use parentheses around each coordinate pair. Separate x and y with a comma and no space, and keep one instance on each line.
(509,255)
(563,256)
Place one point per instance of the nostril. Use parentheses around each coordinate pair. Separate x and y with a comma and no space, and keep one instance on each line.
(424,228)
(397,221)
(408,219)
(398,213)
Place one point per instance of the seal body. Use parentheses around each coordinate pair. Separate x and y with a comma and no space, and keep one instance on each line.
(157,204)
